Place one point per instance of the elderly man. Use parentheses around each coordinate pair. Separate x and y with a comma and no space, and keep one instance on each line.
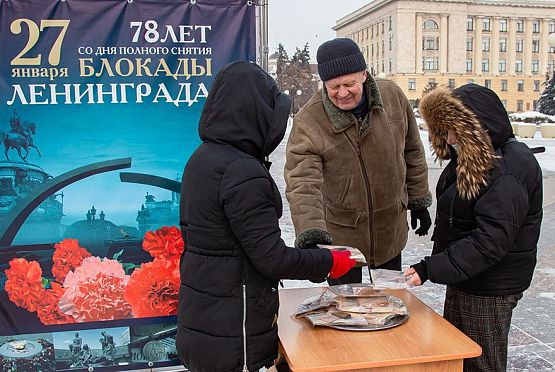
(355,163)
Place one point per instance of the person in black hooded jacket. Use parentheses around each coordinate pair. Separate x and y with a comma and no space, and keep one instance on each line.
(230,207)
(489,212)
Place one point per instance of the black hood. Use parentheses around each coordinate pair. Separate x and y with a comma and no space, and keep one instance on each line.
(489,110)
(245,109)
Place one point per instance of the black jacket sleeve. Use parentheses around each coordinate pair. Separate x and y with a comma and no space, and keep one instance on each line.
(248,196)
(500,212)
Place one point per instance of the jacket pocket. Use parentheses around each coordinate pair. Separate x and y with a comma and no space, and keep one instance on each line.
(342,217)
(344,190)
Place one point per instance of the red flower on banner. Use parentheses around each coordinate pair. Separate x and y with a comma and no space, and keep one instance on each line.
(153,289)
(68,256)
(24,284)
(165,243)
(49,311)
(94,291)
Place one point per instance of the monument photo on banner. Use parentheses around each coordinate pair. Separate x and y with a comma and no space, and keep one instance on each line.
(99,107)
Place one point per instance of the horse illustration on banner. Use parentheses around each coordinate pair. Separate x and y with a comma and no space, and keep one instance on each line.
(20,137)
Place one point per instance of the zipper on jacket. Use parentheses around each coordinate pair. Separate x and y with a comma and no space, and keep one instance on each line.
(245,369)
(368,192)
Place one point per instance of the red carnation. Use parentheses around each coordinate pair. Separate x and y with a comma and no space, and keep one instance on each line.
(24,284)
(67,256)
(153,289)
(165,243)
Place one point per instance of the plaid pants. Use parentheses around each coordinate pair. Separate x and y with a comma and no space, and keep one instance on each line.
(487,321)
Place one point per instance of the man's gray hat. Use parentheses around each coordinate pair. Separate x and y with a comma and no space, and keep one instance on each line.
(339,57)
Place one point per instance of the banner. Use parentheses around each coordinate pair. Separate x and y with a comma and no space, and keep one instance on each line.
(99,107)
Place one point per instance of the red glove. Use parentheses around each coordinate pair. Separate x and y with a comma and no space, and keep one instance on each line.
(342,263)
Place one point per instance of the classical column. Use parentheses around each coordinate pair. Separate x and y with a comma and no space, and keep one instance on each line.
(494,47)
(418,44)
(527,47)
(511,47)
(443,43)
(477,46)
(544,46)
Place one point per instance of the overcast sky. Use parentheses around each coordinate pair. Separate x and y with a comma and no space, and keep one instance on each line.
(296,22)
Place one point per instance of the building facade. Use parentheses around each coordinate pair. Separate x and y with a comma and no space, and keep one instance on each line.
(501,44)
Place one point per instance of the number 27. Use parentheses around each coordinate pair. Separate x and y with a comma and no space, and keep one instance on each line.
(34,33)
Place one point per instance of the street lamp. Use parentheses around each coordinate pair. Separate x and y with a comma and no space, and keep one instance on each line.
(299,92)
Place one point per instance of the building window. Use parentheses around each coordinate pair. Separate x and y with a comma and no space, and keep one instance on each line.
(535,66)
(383,66)
(520,26)
(431,63)
(390,23)
(468,64)
(519,105)
(519,44)
(486,24)
(503,85)
(470,81)
(503,45)
(469,24)
(390,42)
(551,27)
(485,65)
(429,43)
(535,46)
(518,65)
(390,66)
(487,83)
(383,47)
(536,27)
(372,31)
(520,85)
(502,65)
(412,84)
(503,25)
(535,105)
(383,27)
(504,102)
(451,83)
(430,24)
(485,44)
(536,85)
(468,44)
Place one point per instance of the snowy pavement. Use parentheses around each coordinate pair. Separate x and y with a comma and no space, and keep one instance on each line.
(532,337)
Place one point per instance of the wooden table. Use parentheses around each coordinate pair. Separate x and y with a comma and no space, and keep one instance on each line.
(425,342)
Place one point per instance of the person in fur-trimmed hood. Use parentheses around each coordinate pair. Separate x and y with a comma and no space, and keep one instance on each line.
(489,212)
(355,163)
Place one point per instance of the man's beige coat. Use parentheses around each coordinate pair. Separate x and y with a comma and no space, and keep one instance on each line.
(356,179)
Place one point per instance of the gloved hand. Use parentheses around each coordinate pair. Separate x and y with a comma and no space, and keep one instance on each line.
(310,237)
(423,216)
(342,263)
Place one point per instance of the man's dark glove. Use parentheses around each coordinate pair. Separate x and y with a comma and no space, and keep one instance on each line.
(423,216)
(309,237)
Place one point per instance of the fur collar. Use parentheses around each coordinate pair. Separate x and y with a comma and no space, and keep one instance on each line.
(475,155)
(340,119)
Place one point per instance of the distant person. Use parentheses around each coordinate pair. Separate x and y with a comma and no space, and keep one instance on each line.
(489,212)
(355,163)
(229,215)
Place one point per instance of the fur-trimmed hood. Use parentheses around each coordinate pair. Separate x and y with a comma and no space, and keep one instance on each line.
(481,125)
